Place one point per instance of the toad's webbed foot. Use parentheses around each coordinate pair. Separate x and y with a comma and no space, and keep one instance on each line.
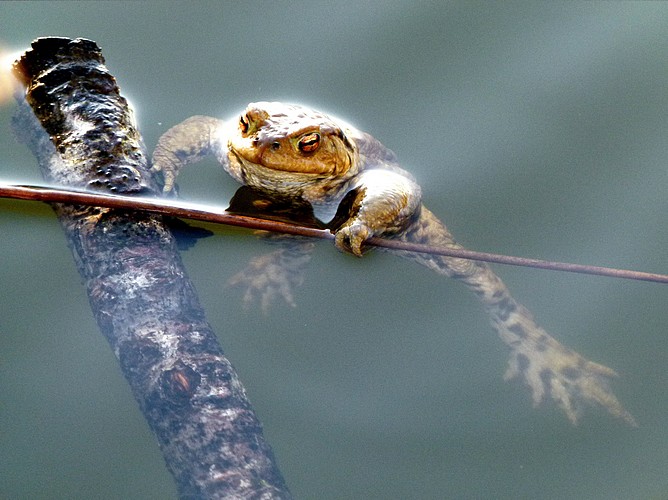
(554,371)
(275,275)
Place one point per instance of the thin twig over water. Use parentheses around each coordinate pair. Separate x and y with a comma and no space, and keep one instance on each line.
(209,214)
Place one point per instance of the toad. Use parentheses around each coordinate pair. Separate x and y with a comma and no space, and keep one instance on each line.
(296,153)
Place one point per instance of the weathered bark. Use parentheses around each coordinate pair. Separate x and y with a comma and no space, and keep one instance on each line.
(144,303)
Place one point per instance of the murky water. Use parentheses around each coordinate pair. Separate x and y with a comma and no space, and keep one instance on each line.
(535,129)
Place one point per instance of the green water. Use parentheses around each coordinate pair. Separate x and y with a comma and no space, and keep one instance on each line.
(535,129)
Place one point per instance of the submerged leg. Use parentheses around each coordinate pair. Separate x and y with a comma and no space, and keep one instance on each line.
(547,367)
(273,276)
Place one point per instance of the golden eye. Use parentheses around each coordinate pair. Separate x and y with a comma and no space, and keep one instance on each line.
(244,125)
(309,142)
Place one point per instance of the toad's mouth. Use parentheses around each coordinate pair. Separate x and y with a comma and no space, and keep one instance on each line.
(282,168)
(270,179)
(305,168)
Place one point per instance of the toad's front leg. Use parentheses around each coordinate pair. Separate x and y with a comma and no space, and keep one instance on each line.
(188,142)
(382,203)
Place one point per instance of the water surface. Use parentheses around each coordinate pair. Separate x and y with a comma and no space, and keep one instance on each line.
(536,129)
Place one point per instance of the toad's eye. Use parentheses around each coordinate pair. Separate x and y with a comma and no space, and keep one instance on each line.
(243,124)
(309,142)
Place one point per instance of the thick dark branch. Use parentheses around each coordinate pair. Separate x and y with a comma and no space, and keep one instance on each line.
(142,299)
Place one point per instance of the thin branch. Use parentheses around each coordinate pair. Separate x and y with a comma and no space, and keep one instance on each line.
(207,214)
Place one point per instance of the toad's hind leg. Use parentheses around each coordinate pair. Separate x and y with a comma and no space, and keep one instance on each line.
(274,276)
(547,367)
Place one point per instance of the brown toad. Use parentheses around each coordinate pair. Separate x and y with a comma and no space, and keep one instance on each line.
(293,152)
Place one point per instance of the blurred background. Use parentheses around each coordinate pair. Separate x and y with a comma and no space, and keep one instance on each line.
(535,129)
